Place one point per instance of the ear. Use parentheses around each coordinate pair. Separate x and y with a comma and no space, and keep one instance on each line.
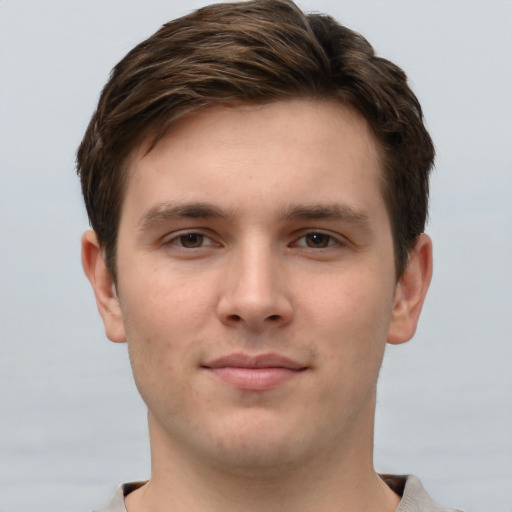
(103,286)
(410,292)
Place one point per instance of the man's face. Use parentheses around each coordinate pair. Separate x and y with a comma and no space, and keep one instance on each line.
(256,281)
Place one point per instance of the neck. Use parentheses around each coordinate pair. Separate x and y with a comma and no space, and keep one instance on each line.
(339,478)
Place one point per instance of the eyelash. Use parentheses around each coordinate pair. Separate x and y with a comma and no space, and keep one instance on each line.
(331,240)
(178,240)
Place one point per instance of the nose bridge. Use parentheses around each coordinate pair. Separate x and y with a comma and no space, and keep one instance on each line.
(255,292)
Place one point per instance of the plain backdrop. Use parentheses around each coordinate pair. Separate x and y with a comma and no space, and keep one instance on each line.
(71,423)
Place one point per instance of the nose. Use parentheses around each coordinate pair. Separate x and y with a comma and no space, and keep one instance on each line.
(254,291)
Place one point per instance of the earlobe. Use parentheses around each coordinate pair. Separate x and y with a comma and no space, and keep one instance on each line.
(104,288)
(410,292)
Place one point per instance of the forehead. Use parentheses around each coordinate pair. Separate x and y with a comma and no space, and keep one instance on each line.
(299,146)
(336,118)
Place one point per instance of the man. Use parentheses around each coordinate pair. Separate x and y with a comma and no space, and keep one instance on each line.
(257,183)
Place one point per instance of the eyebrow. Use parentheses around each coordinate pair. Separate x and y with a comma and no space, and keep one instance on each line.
(334,211)
(164,212)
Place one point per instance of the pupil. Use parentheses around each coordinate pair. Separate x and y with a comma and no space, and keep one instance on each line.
(192,240)
(317,240)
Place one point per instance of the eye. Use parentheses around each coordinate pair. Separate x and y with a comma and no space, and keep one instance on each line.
(316,240)
(191,240)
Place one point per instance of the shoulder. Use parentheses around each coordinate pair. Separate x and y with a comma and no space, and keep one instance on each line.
(414,496)
(116,504)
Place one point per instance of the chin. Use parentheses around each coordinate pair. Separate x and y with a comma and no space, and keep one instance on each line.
(256,446)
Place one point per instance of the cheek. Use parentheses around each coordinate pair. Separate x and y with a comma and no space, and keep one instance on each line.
(163,319)
(353,314)
(356,302)
(165,303)
(157,356)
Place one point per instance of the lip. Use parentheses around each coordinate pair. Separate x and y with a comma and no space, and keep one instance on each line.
(254,373)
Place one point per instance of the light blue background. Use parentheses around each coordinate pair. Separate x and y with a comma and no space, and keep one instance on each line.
(72,425)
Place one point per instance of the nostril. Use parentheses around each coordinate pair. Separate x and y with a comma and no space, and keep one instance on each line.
(273,317)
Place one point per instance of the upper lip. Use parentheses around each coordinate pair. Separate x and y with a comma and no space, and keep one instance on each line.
(241,360)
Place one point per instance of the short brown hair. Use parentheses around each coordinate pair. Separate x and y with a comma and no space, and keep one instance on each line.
(254,52)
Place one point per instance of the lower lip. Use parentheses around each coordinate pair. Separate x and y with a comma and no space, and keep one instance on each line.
(254,379)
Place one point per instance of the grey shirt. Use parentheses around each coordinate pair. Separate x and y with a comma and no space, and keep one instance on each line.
(414,496)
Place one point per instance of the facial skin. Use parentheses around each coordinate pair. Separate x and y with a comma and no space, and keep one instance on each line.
(258,236)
